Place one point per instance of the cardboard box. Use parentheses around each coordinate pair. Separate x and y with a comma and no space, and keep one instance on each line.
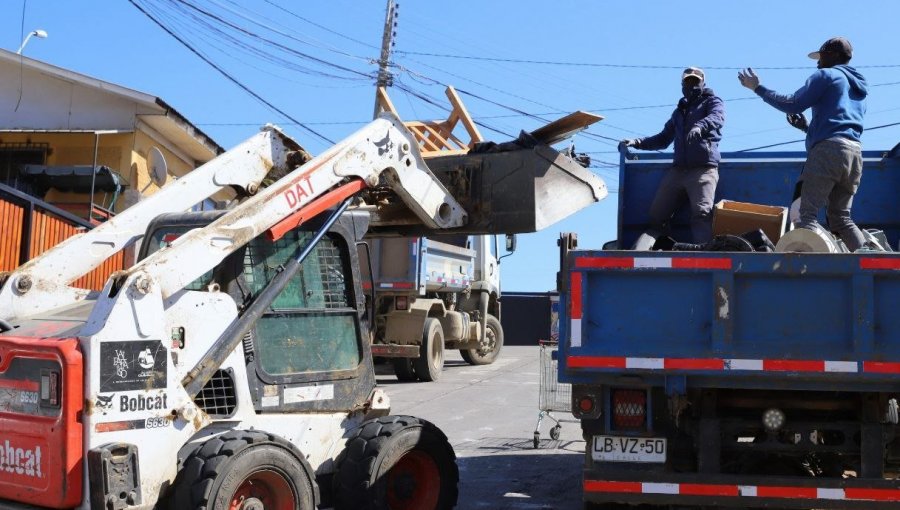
(736,218)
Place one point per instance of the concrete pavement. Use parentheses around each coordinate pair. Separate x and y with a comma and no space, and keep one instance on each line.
(489,414)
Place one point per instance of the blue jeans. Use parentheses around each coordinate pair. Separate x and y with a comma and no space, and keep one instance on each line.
(830,179)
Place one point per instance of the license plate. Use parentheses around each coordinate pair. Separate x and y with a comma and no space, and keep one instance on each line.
(629,449)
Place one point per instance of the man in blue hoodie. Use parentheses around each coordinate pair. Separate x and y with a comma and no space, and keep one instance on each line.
(837,95)
(696,128)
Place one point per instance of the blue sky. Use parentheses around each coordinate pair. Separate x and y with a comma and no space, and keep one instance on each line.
(629,56)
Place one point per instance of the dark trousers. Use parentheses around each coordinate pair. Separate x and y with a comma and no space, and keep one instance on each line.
(698,186)
(830,179)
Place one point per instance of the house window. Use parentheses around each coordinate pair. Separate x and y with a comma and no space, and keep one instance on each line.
(13,156)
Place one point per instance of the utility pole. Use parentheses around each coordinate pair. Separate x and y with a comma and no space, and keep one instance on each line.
(387,43)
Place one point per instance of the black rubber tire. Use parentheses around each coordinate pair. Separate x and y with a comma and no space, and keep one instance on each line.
(430,362)
(536,441)
(403,369)
(364,467)
(215,469)
(554,432)
(486,356)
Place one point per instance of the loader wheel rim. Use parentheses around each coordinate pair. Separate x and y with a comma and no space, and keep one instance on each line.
(264,489)
(414,483)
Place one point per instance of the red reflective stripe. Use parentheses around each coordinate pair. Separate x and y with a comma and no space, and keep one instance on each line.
(873,494)
(15,384)
(692,489)
(601,262)
(603,486)
(879,263)
(596,362)
(628,263)
(575,293)
(403,285)
(694,364)
(787,492)
(700,263)
(881,367)
(784,365)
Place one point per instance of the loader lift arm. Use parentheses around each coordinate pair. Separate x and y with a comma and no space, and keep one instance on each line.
(381,152)
(44,283)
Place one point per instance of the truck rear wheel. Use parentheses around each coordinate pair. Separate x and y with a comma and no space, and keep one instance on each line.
(244,470)
(403,369)
(430,362)
(487,353)
(396,463)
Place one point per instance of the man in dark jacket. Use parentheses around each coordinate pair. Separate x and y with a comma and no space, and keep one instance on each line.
(696,128)
(837,95)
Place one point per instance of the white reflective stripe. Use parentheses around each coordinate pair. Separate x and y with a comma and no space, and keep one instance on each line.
(743,364)
(659,488)
(575,333)
(386,285)
(747,490)
(646,363)
(829,493)
(664,262)
(841,366)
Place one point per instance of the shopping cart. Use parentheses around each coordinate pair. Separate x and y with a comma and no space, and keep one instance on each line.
(552,396)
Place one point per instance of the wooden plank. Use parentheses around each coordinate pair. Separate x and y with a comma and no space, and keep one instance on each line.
(464,116)
(420,132)
(384,102)
(445,152)
(435,134)
(563,128)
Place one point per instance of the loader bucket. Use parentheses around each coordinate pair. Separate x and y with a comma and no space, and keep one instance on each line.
(510,192)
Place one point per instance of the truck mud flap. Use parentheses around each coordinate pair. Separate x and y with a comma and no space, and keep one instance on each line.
(518,191)
(740,491)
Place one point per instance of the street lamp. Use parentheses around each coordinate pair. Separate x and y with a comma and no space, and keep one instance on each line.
(42,34)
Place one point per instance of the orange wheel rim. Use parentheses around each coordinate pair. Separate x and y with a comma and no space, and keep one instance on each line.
(414,483)
(268,488)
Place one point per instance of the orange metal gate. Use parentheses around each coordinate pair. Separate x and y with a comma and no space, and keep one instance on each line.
(29,227)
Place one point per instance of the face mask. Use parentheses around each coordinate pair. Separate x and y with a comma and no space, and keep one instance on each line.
(688,90)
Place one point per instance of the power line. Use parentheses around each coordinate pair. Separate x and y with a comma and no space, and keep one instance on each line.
(615,66)
(228,76)
(313,23)
(271,42)
(803,139)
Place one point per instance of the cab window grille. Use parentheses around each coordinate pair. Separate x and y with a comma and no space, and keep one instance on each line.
(218,398)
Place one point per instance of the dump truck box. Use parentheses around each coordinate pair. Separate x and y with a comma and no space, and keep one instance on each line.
(738,379)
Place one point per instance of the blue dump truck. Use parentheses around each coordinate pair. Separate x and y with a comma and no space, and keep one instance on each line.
(736,379)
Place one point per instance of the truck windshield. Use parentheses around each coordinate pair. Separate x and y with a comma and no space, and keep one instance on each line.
(311,325)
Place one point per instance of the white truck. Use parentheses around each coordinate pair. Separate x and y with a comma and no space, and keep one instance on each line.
(230,368)
(431,294)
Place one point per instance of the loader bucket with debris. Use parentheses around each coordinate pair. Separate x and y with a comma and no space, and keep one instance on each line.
(506,189)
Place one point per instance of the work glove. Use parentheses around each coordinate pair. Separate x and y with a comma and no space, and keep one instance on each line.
(748,79)
(694,134)
(798,120)
(628,142)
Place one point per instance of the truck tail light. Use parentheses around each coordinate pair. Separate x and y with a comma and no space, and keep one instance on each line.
(629,409)
(586,404)
(401,303)
(50,388)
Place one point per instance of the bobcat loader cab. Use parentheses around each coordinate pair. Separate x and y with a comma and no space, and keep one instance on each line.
(231,367)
